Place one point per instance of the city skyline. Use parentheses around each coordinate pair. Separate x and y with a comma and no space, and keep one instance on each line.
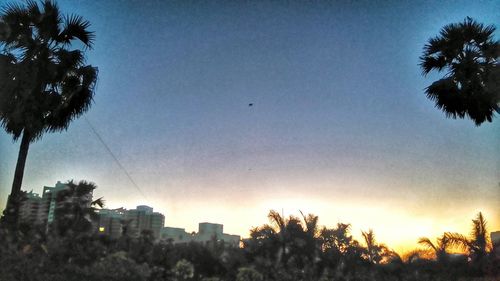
(188,231)
(339,124)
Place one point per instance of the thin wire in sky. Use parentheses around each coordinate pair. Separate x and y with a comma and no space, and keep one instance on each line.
(115,158)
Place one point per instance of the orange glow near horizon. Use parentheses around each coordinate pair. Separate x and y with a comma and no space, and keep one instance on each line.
(394,225)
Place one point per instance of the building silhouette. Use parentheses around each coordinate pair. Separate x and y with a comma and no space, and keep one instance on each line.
(142,218)
(38,210)
(110,222)
(41,210)
(30,209)
(208,233)
(495,241)
(50,203)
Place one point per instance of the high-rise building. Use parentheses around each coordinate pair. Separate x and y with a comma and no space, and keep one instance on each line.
(49,196)
(110,222)
(208,230)
(207,233)
(40,210)
(175,235)
(30,210)
(143,218)
(495,240)
(157,223)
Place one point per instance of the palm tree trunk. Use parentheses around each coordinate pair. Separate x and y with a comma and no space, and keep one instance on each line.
(12,210)
(21,162)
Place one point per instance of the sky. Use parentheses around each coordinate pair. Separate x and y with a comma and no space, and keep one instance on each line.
(339,127)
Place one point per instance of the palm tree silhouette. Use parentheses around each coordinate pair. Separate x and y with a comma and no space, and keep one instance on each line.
(374,252)
(44,85)
(469,55)
(76,211)
(439,249)
(279,226)
(338,239)
(478,244)
(311,231)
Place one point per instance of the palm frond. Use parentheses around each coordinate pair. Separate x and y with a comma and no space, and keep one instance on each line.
(76,28)
(98,202)
(75,98)
(427,243)
(277,220)
(458,240)
(14,13)
(17,20)
(479,227)
(430,63)
(446,96)
(479,234)
(68,60)
(49,23)
(33,9)
(412,256)
(369,238)
(310,223)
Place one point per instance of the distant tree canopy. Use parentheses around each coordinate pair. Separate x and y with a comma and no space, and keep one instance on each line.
(469,55)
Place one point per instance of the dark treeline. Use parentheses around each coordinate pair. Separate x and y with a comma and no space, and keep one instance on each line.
(291,248)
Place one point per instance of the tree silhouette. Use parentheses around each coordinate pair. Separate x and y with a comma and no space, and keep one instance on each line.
(469,55)
(478,244)
(44,85)
(440,249)
(76,211)
(374,252)
(279,227)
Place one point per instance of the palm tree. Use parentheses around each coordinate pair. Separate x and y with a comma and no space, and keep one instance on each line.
(75,211)
(311,230)
(478,244)
(338,239)
(375,252)
(279,225)
(340,251)
(440,249)
(44,85)
(469,55)
(311,224)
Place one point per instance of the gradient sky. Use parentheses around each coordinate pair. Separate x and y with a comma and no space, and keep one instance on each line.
(340,125)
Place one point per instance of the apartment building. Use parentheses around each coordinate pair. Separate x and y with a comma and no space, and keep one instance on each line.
(207,233)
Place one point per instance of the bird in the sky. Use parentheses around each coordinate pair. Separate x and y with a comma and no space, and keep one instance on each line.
(250,104)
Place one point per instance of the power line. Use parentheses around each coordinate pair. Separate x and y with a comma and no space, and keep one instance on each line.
(115,158)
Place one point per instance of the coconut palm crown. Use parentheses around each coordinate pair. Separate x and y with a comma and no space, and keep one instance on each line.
(478,243)
(440,249)
(469,55)
(44,83)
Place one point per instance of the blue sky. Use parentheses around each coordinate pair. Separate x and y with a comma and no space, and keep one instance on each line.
(339,126)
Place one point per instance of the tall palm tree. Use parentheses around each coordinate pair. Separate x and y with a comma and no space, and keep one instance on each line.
(469,54)
(440,249)
(44,84)
(477,244)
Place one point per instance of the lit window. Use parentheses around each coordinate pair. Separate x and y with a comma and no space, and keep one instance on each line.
(101,229)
